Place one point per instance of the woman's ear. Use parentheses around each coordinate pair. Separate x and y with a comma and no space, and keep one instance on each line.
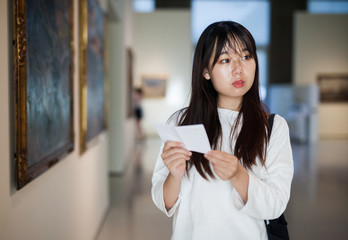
(206,74)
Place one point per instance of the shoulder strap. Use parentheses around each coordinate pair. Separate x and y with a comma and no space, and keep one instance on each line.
(270,122)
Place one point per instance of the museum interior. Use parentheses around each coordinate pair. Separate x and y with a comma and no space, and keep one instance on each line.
(77,164)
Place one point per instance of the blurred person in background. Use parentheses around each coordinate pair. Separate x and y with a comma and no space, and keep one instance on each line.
(138,112)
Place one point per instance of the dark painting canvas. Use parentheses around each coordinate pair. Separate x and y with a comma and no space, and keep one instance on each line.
(48,63)
(95,71)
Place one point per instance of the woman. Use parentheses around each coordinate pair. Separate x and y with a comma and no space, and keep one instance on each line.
(228,192)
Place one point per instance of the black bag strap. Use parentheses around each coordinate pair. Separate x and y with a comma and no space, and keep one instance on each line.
(270,123)
(276,228)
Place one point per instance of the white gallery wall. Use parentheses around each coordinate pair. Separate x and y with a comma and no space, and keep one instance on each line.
(321,46)
(69,200)
(163,45)
(121,128)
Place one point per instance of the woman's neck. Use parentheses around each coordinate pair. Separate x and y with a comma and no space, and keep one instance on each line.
(230,105)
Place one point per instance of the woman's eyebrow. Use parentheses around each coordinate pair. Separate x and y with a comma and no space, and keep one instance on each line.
(228,51)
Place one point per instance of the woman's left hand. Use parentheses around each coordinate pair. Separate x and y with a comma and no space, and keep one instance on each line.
(226,166)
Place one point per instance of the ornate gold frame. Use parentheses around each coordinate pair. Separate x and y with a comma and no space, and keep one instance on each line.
(83,84)
(24,173)
(20,72)
(83,33)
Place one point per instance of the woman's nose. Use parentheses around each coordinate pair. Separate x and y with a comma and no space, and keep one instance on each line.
(237,67)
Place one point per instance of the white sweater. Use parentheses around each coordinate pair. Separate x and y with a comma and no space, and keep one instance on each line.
(213,209)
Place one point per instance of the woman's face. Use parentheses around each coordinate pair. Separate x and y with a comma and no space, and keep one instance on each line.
(232,76)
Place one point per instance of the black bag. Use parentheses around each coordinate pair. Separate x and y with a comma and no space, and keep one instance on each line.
(277,229)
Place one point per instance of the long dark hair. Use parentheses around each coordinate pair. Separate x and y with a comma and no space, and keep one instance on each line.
(252,139)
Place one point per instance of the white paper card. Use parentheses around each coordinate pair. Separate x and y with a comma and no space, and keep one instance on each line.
(194,137)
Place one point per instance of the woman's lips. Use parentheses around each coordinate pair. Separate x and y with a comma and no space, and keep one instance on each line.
(238,83)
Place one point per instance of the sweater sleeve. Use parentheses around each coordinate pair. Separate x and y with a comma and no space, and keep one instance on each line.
(269,196)
(158,178)
(160,175)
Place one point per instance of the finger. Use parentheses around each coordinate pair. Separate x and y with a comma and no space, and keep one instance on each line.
(211,158)
(179,164)
(175,150)
(175,157)
(218,165)
(222,165)
(226,170)
(220,156)
(171,144)
(221,170)
(222,173)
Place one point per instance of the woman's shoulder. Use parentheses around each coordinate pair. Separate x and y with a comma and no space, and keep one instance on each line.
(280,124)
(279,120)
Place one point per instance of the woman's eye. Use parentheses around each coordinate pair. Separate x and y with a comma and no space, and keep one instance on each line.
(246,57)
(225,61)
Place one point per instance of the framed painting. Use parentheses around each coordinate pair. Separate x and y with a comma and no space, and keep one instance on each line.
(154,86)
(333,87)
(92,82)
(43,92)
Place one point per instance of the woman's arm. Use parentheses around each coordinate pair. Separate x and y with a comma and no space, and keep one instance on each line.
(269,189)
(171,190)
(241,183)
(264,198)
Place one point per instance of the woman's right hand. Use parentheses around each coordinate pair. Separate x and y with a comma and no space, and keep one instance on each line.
(174,156)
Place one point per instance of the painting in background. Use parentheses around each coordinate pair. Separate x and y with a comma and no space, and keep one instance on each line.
(130,98)
(333,87)
(95,71)
(43,85)
(154,86)
(92,83)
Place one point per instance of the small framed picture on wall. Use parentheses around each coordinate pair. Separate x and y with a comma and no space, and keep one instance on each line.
(154,86)
(333,87)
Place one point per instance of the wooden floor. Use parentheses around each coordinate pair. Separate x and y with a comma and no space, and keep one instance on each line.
(317,208)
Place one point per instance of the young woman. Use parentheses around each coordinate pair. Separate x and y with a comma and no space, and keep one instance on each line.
(228,192)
